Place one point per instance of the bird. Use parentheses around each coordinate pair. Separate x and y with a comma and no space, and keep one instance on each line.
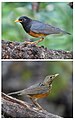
(38,29)
(39,90)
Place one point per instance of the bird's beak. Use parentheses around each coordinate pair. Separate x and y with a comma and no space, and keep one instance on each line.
(56,75)
(18,21)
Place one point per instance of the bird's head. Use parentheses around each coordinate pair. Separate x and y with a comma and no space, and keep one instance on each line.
(49,79)
(23,19)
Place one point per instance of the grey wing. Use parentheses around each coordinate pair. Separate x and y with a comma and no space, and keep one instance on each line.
(39,90)
(39,27)
(34,90)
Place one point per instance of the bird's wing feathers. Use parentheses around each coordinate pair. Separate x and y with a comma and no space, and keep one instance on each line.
(39,27)
(35,89)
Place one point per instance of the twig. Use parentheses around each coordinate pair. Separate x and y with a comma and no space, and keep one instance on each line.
(12,107)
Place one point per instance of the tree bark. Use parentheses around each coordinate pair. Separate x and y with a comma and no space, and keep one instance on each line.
(15,50)
(14,108)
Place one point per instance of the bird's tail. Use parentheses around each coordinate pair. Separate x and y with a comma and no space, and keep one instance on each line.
(65,32)
(13,93)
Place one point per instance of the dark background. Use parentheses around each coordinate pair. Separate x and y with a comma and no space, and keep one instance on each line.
(20,75)
(58,14)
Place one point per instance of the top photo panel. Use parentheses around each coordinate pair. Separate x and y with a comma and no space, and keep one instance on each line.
(37,30)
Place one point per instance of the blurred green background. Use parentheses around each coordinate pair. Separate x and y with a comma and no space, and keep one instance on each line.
(58,14)
(20,75)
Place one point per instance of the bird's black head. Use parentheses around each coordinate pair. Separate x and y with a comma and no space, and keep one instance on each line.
(23,20)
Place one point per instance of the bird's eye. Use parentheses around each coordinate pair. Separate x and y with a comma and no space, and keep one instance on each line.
(50,76)
(20,20)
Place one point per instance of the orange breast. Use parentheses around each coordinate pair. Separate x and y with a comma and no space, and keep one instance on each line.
(36,34)
(39,95)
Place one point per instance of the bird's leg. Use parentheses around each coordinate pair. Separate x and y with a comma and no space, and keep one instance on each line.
(36,42)
(39,41)
(35,103)
(29,42)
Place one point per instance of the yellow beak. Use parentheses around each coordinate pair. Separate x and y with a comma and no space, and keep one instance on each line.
(56,75)
(17,21)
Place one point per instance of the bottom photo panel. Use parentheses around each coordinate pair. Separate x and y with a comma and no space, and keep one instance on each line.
(37,89)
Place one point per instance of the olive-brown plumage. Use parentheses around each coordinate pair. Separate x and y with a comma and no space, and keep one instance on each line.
(39,90)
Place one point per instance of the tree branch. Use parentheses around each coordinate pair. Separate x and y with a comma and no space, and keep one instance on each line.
(12,107)
(15,50)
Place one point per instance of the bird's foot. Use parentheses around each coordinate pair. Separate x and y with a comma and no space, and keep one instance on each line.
(38,108)
(31,43)
(35,43)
